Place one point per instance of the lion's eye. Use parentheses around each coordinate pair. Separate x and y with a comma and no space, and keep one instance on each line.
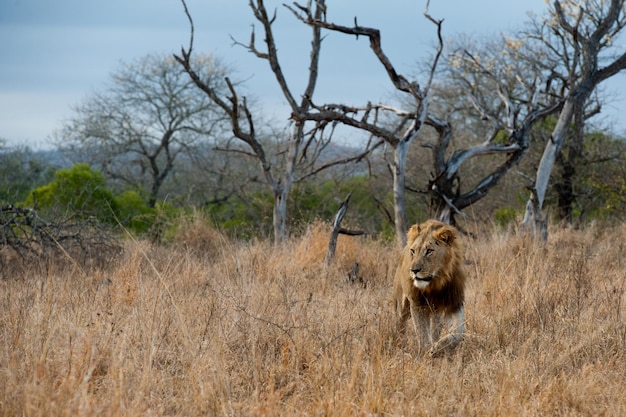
(412,252)
(428,252)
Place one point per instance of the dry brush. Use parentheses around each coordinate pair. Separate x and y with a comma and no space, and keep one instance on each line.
(209,326)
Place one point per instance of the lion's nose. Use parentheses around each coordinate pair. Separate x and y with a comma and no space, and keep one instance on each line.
(416,270)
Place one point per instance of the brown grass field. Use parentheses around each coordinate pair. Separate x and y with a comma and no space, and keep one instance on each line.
(211,327)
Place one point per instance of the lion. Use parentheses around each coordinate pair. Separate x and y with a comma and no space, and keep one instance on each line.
(429,286)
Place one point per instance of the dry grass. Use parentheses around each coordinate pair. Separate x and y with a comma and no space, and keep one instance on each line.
(249,329)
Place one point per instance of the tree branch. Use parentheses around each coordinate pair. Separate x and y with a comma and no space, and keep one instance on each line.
(355,158)
(398,80)
(231,108)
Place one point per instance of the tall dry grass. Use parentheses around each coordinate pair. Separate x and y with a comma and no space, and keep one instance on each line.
(213,327)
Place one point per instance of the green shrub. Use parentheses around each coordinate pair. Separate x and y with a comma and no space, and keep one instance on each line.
(505,216)
(81,192)
(78,191)
(133,212)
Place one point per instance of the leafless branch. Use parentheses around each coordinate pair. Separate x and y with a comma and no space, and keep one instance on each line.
(433,66)
(191,28)
(342,161)
(83,242)
(238,151)
(398,80)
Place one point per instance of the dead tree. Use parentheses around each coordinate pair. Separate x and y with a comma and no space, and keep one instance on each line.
(303,145)
(369,117)
(511,115)
(579,39)
(507,98)
(337,229)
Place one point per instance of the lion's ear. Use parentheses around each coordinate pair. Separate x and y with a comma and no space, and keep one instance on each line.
(445,234)
(414,231)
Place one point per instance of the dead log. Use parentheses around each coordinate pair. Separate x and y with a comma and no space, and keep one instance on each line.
(337,229)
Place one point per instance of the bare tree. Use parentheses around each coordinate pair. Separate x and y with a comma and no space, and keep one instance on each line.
(150,114)
(303,146)
(579,37)
(397,127)
(490,93)
(503,97)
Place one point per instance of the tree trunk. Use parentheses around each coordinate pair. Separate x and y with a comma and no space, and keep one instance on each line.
(154,191)
(399,198)
(568,159)
(534,222)
(157,181)
(332,244)
(334,234)
(443,191)
(280,214)
(565,192)
(283,188)
(440,208)
(534,206)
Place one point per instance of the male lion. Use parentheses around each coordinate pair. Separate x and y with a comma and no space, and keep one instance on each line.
(429,285)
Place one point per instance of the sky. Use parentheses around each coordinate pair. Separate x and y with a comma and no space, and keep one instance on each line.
(56,53)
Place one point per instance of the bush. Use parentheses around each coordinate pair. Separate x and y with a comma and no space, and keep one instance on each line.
(78,191)
(505,216)
(134,213)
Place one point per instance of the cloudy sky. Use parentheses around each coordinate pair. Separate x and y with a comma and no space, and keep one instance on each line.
(55,52)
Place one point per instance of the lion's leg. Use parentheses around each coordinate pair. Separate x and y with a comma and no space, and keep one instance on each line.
(454,327)
(403,306)
(436,322)
(421,321)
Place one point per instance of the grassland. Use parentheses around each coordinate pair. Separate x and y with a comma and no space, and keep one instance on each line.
(208,326)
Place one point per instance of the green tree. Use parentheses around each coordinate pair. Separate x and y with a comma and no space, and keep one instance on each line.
(80,191)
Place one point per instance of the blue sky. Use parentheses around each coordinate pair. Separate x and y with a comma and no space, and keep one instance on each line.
(55,52)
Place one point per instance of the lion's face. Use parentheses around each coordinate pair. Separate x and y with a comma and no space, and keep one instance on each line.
(430,251)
